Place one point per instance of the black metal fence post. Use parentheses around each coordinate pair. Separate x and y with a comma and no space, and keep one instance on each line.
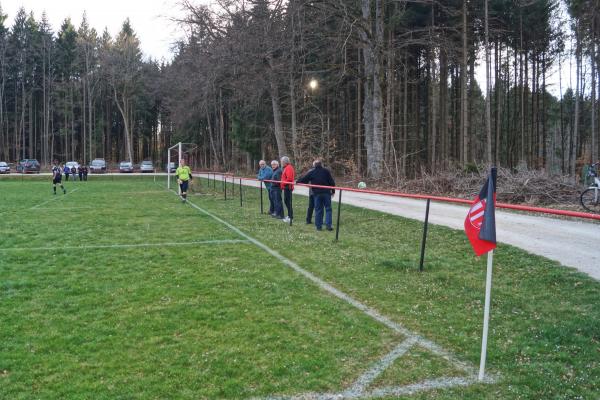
(261,197)
(424,236)
(241,204)
(225,186)
(339,210)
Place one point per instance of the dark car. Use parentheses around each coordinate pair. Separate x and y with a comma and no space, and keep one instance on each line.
(98,166)
(29,166)
(125,166)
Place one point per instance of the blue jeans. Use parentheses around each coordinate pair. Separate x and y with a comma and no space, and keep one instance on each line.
(311,208)
(277,202)
(271,202)
(323,201)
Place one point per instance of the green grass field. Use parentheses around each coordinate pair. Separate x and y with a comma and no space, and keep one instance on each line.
(118,290)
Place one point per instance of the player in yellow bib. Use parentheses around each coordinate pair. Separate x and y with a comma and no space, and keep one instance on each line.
(184,176)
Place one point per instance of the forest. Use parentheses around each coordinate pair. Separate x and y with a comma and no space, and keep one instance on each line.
(387,90)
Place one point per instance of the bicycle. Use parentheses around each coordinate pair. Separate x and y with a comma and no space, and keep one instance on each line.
(590,198)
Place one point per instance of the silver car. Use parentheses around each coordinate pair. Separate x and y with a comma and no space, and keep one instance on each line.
(146,166)
(125,166)
(4,168)
(98,166)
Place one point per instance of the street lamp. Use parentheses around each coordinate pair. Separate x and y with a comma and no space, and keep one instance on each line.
(313,84)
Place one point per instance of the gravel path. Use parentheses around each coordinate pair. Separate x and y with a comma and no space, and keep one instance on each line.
(573,243)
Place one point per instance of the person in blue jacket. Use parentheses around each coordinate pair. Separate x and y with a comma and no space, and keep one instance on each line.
(322,177)
(67,172)
(266,173)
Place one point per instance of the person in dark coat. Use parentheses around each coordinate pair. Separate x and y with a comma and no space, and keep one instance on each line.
(276,190)
(322,177)
(80,172)
(311,199)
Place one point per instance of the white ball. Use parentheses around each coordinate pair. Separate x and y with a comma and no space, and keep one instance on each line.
(362,185)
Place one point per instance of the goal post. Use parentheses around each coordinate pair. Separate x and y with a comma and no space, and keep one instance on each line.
(177,152)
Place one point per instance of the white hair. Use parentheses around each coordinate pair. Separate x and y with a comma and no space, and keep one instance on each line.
(275,162)
(285,160)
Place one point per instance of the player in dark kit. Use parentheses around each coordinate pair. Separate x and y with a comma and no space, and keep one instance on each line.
(57,177)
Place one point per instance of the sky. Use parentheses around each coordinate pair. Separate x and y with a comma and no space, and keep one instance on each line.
(149,18)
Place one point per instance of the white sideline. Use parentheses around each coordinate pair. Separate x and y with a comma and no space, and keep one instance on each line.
(125,246)
(411,337)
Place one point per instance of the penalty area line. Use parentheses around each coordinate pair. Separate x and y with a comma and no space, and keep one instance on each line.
(127,246)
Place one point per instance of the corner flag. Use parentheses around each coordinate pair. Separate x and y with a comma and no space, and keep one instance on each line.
(480,227)
(480,223)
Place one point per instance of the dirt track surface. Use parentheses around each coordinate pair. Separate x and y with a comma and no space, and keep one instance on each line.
(573,243)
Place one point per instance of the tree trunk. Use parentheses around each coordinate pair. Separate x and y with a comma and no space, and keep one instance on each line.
(488,122)
(376,158)
(122,109)
(463,91)
(574,140)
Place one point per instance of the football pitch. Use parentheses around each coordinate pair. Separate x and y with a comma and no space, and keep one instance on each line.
(118,290)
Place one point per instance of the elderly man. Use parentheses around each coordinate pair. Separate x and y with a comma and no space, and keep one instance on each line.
(322,177)
(265,173)
(287,185)
(275,192)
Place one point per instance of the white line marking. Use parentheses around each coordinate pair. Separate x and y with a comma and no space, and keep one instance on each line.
(362,383)
(412,338)
(429,384)
(62,209)
(125,246)
(54,198)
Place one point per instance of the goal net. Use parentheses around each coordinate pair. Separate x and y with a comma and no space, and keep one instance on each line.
(187,151)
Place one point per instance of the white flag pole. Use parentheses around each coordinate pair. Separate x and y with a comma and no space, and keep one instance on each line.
(486,314)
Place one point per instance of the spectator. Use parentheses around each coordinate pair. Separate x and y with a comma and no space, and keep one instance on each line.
(321,176)
(85,172)
(287,185)
(311,199)
(266,173)
(276,190)
(67,172)
(80,172)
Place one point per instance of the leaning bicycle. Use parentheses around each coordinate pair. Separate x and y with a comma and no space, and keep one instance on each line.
(590,198)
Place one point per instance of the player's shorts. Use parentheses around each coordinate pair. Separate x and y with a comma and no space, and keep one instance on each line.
(184,186)
(57,180)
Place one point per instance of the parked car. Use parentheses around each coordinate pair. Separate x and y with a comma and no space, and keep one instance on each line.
(98,166)
(146,166)
(72,164)
(171,167)
(29,166)
(125,166)
(4,168)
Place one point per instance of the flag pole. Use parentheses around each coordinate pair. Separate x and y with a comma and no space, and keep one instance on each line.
(486,314)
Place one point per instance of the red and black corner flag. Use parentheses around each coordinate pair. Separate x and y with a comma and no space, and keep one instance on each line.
(480,224)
